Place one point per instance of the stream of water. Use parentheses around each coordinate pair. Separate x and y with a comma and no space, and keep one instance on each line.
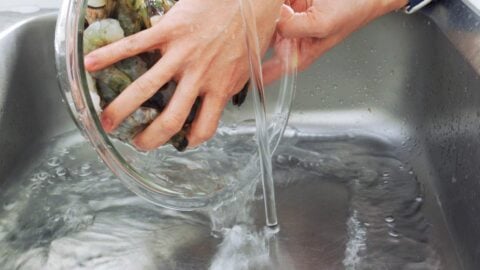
(260,113)
(269,129)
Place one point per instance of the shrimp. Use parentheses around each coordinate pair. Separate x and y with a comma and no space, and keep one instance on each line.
(132,15)
(101,33)
(135,123)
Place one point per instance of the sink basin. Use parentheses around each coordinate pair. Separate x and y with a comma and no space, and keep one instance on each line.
(378,168)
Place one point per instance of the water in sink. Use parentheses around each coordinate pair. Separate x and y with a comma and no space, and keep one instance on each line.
(345,202)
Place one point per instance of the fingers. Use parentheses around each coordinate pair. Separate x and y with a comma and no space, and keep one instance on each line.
(171,120)
(139,91)
(309,23)
(205,124)
(124,48)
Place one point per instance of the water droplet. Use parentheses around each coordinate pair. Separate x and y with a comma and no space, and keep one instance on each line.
(64,151)
(42,175)
(54,161)
(85,167)
(85,170)
(60,171)
(281,159)
(9,206)
(393,234)
(389,219)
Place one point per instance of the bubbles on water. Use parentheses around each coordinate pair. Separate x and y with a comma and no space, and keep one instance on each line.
(393,234)
(64,151)
(94,216)
(357,236)
(60,171)
(53,161)
(85,170)
(8,206)
(85,167)
(282,159)
(42,175)
(389,219)
(253,247)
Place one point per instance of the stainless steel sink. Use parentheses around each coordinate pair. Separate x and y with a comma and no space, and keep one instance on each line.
(378,169)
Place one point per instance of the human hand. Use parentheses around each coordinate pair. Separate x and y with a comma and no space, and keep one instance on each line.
(319,25)
(203,49)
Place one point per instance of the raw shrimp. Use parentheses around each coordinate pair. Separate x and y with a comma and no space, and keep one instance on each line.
(132,15)
(101,33)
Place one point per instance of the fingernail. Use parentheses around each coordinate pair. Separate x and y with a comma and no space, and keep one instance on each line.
(89,62)
(107,123)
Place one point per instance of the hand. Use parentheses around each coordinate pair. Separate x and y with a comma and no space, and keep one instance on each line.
(203,48)
(319,25)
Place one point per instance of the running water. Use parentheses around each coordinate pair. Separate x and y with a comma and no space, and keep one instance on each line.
(260,113)
(269,131)
(346,202)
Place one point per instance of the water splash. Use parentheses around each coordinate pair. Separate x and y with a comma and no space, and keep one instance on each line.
(93,222)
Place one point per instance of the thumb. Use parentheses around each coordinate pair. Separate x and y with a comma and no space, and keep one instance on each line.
(300,24)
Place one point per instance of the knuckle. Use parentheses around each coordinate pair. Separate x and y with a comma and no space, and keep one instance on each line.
(172,126)
(324,25)
(130,45)
(223,94)
(145,87)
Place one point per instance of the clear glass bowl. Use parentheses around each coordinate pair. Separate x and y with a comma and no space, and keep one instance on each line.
(184,181)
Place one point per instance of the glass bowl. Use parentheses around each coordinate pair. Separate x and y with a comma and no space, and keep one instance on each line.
(198,178)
